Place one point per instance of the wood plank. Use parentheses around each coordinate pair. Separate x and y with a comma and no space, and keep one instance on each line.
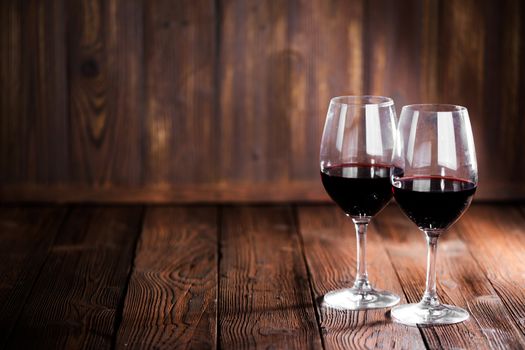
(322,64)
(517,34)
(76,298)
(265,300)
(180,122)
(460,280)
(125,99)
(115,94)
(494,235)
(172,294)
(503,93)
(330,250)
(429,73)
(33,105)
(254,66)
(27,234)
(461,56)
(45,80)
(393,50)
(12,128)
(467,77)
(512,94)
(106,101)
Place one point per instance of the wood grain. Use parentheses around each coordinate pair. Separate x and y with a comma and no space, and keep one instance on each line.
(393,50)
(180,125)
(34,93)
(330,250)
(27,234)
(204,97)
(106,80)
(323,64)
(74,301)
(12,123)
(172,294)
(247,277)
(504,49)
(44,76)
(467,76)
(429,72)
(265,300)
(254,66)
(461,282)
(494,235)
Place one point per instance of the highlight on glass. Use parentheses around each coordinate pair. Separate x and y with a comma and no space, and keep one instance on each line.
(355,161)
(434,178)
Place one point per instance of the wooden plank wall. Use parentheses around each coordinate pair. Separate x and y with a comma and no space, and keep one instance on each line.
(225,100)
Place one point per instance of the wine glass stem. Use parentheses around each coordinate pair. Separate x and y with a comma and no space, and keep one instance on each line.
(430,297)
(361,279)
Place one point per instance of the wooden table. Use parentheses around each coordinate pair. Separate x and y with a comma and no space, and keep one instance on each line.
(247,276)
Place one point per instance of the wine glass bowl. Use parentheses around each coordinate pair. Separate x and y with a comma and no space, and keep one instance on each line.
(434,178)
(355,166)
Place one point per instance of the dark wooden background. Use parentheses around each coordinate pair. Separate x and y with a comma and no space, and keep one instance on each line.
(209,100)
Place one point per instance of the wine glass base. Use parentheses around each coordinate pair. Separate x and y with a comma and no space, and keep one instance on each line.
(422,314)
(359,299)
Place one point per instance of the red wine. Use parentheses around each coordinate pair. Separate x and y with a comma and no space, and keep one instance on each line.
(433,202)
(359,189)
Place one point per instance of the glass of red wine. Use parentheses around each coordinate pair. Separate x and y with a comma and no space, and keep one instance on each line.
(434,177)
(356,156)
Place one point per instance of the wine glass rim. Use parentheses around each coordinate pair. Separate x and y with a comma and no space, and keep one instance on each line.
(435,107)
(363,100)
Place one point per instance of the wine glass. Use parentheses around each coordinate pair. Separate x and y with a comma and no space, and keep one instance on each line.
(356,155)
(434,178)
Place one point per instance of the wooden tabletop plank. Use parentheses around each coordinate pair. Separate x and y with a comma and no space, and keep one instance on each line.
(460,281)
(27,234)
(330,249)
(265,300)
(171,299)
(63,281)
(74,301)
(495,236)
